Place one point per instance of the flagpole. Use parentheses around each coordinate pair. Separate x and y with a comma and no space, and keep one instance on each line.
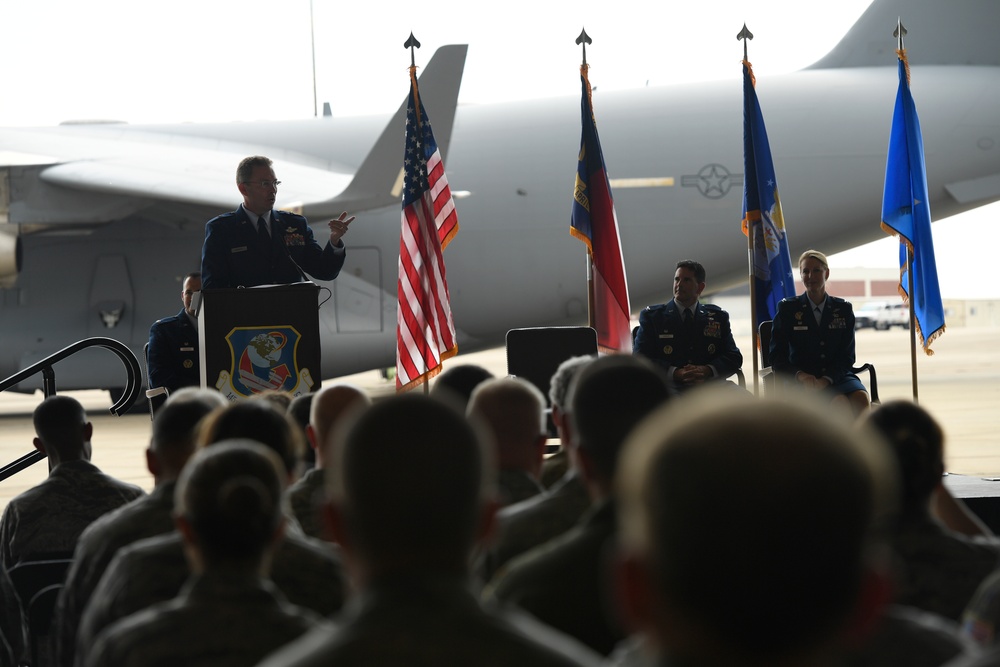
(743,36)
(754,333)
(913,327)
(583,40)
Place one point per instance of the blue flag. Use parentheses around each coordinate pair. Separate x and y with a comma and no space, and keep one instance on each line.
(772,264)
(906,212)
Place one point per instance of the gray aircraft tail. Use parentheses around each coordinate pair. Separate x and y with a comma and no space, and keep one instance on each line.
(375,180)
(940,32)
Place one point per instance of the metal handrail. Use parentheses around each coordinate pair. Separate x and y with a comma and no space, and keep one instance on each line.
(133,386)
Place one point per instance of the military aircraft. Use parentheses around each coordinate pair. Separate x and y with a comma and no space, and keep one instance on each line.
(99,221)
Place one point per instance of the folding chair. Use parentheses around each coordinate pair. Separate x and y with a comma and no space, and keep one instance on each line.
(37,583)
(156,396)
(534,354)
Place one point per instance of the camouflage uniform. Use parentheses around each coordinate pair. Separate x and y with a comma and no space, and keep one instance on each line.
(566,581)
(304,497)
(306,571)
(49,518)
(222,620)
(912,637)
(142,518)
(516,485)
(535,521)
(428,621)
(940,570)
(554,468)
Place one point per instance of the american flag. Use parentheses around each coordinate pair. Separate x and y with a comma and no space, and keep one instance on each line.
(425,330)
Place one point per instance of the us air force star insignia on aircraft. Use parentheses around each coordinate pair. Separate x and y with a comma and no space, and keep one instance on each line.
(713,181)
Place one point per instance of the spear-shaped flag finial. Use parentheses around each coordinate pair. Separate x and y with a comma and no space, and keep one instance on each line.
(584,39)
(898,34)
(745,34)
(412,44)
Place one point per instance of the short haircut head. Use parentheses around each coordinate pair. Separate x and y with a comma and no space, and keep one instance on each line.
(331,404)
(230,493)
(258,420)
(192,276)
(755,518)
(175,429)
(814,254)
(245,170)
(458,382)
(608,397)
(60,423)
(694,267)
(410,477)
(514,410)
(559,383)
(916,441)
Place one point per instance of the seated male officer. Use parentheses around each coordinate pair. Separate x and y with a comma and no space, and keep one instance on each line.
(173,343)
(692,341)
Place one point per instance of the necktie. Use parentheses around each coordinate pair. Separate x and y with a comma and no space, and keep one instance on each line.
(688,319)
(262,234)
(818,312)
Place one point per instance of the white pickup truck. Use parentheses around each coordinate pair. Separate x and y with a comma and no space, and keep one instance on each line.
(881,315)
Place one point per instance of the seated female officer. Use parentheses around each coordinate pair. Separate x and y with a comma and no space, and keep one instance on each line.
(812,340)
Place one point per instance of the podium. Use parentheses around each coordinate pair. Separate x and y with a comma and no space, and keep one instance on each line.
(260,339)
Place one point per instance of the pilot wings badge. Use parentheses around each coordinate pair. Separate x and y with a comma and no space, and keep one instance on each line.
(263,359)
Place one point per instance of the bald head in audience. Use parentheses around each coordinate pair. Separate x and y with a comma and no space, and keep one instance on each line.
(515,411)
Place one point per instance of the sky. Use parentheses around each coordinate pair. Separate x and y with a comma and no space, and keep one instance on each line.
(244,60)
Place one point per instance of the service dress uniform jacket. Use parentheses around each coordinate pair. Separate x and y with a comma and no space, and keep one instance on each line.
(826,349)
(663,338)
(234,256)
(173,353)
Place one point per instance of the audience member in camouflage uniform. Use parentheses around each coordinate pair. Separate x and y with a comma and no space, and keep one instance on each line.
(229,515)
(555,467)
(329,405)
(48,519)
(307,571)
(514,411)
(171,444)
(536,520)
(566,581)
(750,532)
(943,555)
(407,531)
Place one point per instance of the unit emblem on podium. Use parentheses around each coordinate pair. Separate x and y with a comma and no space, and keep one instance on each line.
(263,359)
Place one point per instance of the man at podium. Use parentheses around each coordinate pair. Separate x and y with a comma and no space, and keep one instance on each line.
(257,245)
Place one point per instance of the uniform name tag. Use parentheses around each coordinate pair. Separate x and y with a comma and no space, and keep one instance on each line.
(187,349)
(802,328)
(667,335)
(242,248)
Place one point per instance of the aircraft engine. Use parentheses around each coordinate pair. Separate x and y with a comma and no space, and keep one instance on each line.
(10,259)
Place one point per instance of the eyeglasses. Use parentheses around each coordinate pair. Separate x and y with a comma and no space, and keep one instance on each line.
(267,185)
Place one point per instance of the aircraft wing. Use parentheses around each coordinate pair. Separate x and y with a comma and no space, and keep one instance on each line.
(191,176)
(86,173)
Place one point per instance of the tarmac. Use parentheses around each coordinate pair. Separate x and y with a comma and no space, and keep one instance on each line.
(959,385)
